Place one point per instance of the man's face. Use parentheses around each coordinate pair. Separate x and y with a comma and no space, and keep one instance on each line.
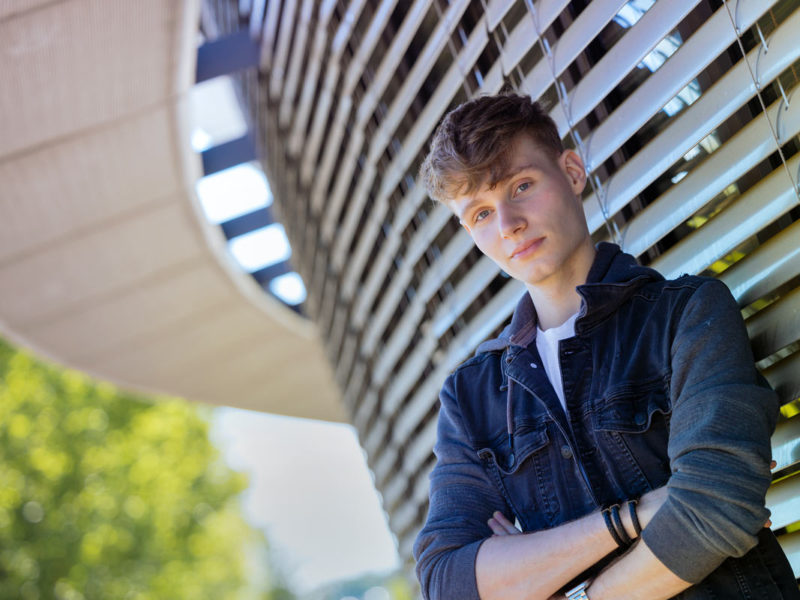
(531,223)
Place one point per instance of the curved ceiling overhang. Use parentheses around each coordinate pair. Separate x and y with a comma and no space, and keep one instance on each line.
(107,264)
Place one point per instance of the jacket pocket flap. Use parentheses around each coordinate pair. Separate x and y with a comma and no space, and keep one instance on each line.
(526,442)
(630,408)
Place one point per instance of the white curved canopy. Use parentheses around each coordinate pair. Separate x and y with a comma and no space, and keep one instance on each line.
(106,263)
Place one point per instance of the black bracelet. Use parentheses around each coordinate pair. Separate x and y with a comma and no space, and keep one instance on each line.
(637,527)
(611,529)
(626,539)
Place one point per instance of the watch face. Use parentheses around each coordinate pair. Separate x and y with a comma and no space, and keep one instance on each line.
(578,592)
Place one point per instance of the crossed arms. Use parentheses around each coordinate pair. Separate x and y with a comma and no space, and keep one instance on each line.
(506,561)
(711,509)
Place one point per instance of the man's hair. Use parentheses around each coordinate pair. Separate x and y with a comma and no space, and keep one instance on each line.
(471,146)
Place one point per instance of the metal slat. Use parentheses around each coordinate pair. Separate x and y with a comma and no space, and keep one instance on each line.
(268,35)
(333,139)
(768,267)
(775,327)
(758,207)
(786,445)
(570,44)
(410,148)
(434,277)
(495,12)
(390,247)
(328,91)
(638,41)
(257,18)
(694,123)
(784,377)
(752,144)
(520,41)
(388,304)
(285,30)
(311,79)
(364,411)
(783,500)
(382,137)
(295,61)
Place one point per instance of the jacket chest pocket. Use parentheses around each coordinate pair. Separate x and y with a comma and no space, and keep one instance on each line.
(523,474)
(630,408)
(631,423)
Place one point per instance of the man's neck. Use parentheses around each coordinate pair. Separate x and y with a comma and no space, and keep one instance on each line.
(557,299)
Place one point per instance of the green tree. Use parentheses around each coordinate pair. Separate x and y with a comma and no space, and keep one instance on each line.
(104,495)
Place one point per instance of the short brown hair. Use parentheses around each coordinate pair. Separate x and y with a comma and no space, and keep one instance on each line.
(472,143)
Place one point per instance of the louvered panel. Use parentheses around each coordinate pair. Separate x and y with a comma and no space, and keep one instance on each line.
(391,246)
(760,206)
(687,172)
(387,67)
(381,139)
(278,71)
(783,500)
(766,268)
(522,38)
(784,377)
(776,326)
(629,51)
(289,85)
(451,257)
(411,146)
(311,78)
(725,97)
(333,142)
(380,317)
(463,295)
(741,153)
(328,92)
(786,447)
(569,45)
(495,312)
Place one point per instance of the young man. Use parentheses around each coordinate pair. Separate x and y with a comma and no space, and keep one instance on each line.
(610,385)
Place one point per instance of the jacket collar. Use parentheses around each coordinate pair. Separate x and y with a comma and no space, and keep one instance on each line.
(613,278)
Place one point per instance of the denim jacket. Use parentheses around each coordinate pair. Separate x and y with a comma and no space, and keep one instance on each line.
(660,388)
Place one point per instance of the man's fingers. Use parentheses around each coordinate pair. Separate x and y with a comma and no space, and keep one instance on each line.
(772,464)
(504,526)
(496,528)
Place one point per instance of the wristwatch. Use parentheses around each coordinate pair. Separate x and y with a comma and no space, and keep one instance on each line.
(579,592)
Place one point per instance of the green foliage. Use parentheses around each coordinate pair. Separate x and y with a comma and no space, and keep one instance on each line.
(104,496)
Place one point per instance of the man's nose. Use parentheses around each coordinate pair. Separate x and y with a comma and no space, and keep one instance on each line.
(511,220)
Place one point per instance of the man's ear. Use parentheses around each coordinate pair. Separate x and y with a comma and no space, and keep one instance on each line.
(572,166)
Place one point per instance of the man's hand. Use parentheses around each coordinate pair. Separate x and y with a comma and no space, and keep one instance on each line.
(502,526)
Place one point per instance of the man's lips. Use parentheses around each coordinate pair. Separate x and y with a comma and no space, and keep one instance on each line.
(526,248)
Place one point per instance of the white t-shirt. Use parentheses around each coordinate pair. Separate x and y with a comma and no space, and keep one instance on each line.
(547,345)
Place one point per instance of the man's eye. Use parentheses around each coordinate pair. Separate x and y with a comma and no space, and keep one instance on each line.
(481,215)
(523,186)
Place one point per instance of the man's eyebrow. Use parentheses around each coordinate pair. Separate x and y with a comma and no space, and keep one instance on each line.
(512,172)
(466,208)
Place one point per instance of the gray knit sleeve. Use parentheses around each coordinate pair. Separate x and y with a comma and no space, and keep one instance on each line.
(719,444)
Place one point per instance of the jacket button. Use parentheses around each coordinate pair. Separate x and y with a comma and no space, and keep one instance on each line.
(640,419)
(566,452)
(511,459)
